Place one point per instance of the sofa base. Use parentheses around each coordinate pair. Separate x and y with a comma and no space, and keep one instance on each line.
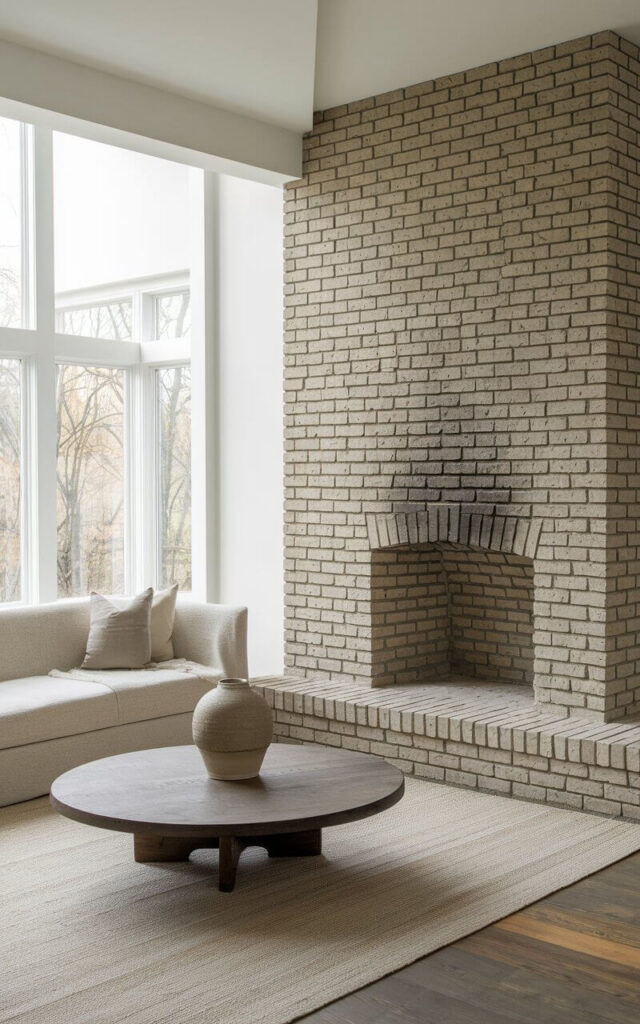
(27,772)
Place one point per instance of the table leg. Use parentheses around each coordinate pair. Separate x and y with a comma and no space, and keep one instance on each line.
(295,844)
(150,849)
(156,849)
(230,849)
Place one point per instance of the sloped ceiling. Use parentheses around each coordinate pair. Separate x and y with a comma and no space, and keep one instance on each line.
(251,57)
(277,60)
(366,47)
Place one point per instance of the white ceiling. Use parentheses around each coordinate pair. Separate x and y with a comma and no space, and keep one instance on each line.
(252,57)
(258,57)
(366,47)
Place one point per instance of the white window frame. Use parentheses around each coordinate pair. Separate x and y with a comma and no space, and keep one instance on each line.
(141,292)
(41,348)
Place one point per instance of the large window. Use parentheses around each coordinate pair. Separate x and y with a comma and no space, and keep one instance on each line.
(174,420)
(14,224)
(172,315)
(90,474)
(121,242)
(111,319)
(95,422)
(10,476)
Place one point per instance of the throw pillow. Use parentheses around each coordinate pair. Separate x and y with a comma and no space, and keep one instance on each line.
(163,611)
(119,637)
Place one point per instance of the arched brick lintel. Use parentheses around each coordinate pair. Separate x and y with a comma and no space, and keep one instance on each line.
(457,524)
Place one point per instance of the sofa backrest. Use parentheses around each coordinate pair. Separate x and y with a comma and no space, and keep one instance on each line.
(36,638)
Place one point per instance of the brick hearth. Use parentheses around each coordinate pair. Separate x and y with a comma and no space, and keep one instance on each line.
(487,737)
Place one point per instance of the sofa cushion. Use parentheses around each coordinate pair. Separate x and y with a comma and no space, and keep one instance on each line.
(44,708)
(152,693)
(119,635)
(163,613)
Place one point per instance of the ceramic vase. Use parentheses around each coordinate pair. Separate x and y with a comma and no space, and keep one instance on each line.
(232,729)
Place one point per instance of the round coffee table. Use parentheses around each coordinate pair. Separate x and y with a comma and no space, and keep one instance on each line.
(166,799)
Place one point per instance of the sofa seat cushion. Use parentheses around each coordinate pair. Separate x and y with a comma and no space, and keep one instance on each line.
(45,708)
(141,694)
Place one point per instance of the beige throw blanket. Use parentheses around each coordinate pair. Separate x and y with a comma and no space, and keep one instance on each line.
(178,665)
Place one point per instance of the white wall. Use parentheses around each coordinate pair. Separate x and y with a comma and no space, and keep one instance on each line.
(250,416)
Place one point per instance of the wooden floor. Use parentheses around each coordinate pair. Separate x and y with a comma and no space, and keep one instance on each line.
(574,958)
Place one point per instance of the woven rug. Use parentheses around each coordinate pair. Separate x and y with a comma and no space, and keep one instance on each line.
(90,937)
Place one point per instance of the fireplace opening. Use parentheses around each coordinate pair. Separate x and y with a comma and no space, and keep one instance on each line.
(445,610)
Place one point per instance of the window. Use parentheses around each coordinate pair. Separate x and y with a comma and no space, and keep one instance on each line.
(111,320)
(174,409)
(172,315)
(10,450)
(95,425)
(90,475)
(14,224)
(121,234)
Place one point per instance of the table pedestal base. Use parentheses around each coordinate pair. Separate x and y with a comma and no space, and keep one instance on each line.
(148,849)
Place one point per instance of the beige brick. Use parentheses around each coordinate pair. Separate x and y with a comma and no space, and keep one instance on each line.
(461,407)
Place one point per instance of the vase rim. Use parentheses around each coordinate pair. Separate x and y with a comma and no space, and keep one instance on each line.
(231,682)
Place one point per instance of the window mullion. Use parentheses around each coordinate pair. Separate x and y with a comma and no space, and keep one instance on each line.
(204,197)
(41,423)
(152,474)
(140,493)
(26,224)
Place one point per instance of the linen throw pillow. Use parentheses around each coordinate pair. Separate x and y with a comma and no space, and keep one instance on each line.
(119,637)
(163,612)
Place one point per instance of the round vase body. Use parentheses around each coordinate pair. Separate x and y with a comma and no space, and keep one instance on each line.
(232,729)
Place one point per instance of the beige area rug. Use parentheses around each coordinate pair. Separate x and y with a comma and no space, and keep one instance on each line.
(89,937)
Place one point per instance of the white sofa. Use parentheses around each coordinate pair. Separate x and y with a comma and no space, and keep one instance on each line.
(49,724)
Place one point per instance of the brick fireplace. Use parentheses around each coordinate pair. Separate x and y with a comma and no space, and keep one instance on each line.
(455,596)
(461,384)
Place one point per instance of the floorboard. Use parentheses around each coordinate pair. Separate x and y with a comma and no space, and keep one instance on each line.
(572,958)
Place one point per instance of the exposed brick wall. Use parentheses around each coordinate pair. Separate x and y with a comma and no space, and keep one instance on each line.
(410,624)
(491,614)
(462,327)
(623,385)
(442,608)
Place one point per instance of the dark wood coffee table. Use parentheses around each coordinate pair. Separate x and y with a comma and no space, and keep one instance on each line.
(166,799)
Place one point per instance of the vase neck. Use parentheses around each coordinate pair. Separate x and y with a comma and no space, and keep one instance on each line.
(234,684)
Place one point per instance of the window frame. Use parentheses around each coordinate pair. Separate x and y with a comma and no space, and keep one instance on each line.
(41,347)
(141,292)
(98,302)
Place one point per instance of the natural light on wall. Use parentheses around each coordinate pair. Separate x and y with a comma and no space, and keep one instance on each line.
(106,358)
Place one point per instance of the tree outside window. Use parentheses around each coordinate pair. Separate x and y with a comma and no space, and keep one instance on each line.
(10,488)
(90,472)
(174,401)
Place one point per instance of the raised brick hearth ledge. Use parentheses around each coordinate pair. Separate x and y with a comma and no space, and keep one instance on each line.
(488,737)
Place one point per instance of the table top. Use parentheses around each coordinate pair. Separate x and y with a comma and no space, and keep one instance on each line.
(166,791)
